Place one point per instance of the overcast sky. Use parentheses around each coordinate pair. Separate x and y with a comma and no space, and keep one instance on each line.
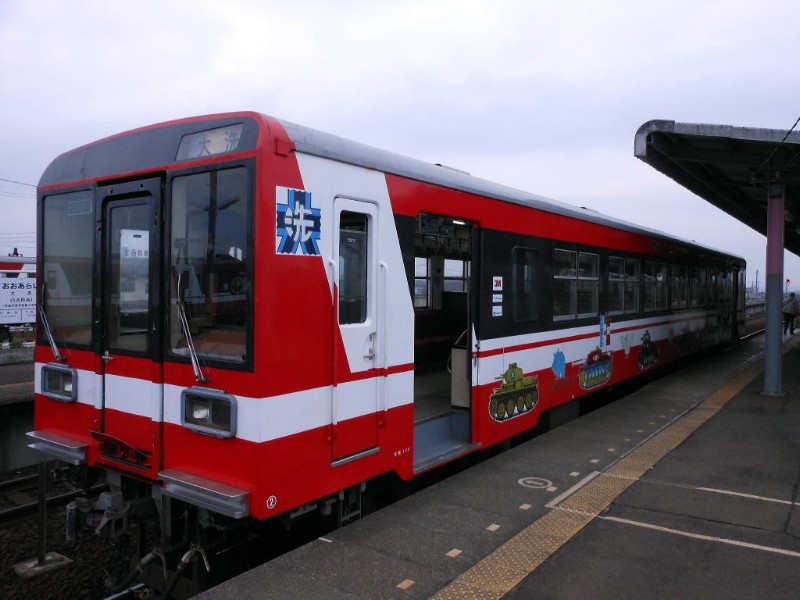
(545,96)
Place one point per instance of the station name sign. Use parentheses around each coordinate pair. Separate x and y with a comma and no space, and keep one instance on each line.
(17,301)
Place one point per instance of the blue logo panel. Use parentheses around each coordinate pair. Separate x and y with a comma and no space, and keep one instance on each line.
(298,224)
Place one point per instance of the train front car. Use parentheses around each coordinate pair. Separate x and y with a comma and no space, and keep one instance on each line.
(209,333)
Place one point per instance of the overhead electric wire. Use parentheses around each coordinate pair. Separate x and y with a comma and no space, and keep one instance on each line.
(17,182)
(775,149)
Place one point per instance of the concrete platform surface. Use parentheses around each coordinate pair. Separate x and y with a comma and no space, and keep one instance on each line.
(686,488)
(16,383)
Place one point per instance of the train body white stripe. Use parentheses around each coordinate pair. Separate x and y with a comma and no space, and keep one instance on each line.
(133,396)
(265,419)
(90,385)
(504,351)
(259,419)
(271,418)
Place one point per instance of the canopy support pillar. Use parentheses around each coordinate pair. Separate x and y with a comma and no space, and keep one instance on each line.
(773,367)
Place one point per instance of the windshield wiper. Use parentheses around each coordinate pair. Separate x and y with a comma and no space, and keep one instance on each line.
(187,333)
(47,330)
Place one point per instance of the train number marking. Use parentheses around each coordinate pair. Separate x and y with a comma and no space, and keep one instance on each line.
(272,502)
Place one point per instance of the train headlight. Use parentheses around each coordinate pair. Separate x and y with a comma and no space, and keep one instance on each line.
(212,412)
(59,382)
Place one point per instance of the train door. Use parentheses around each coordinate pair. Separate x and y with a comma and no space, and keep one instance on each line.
(444,301)
(358,322)
(132,386)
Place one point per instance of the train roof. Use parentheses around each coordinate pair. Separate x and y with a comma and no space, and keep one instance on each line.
(318,143)
(154,147)
(17,260)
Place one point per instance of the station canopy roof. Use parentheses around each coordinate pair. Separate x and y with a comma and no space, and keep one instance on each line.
(730,167)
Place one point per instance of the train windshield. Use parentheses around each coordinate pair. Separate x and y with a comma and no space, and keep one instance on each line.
(209,245)
(69,224)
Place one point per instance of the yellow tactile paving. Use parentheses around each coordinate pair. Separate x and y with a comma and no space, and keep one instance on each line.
(503,569)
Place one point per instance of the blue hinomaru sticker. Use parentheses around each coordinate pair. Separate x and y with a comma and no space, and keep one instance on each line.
(298,223)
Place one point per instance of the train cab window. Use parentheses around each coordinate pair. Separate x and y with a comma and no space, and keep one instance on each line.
(69,227)
(523,298)
(128,280)
(210,264)
(353,263)
(655,286)
(575,284)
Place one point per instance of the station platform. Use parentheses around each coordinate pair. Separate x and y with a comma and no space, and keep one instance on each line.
(16,382)
(686,488)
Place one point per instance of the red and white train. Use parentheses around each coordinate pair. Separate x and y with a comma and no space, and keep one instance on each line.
(251,318)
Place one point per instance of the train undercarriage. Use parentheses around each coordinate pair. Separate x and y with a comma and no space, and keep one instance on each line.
(177,549)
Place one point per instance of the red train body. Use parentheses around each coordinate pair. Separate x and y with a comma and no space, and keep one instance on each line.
(250,316)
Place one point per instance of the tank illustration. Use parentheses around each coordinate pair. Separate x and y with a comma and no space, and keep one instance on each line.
(597,369)
(648,353)
(516,396)
(687,341)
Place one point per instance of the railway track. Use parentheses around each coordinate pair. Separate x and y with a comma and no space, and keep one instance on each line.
(19,496)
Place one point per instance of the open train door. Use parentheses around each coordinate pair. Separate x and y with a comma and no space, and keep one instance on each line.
(358,330)
(132,381)
(446,291)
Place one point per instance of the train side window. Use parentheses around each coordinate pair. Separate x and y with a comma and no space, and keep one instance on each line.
(575,284)
(565,284)
(456,275)
(353,263)
(679,283)
(633,285)
(712,288)
(740,292)
(588,284)
(523,297)
(616,285)
(655,286)
(422,282)
(698,292)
